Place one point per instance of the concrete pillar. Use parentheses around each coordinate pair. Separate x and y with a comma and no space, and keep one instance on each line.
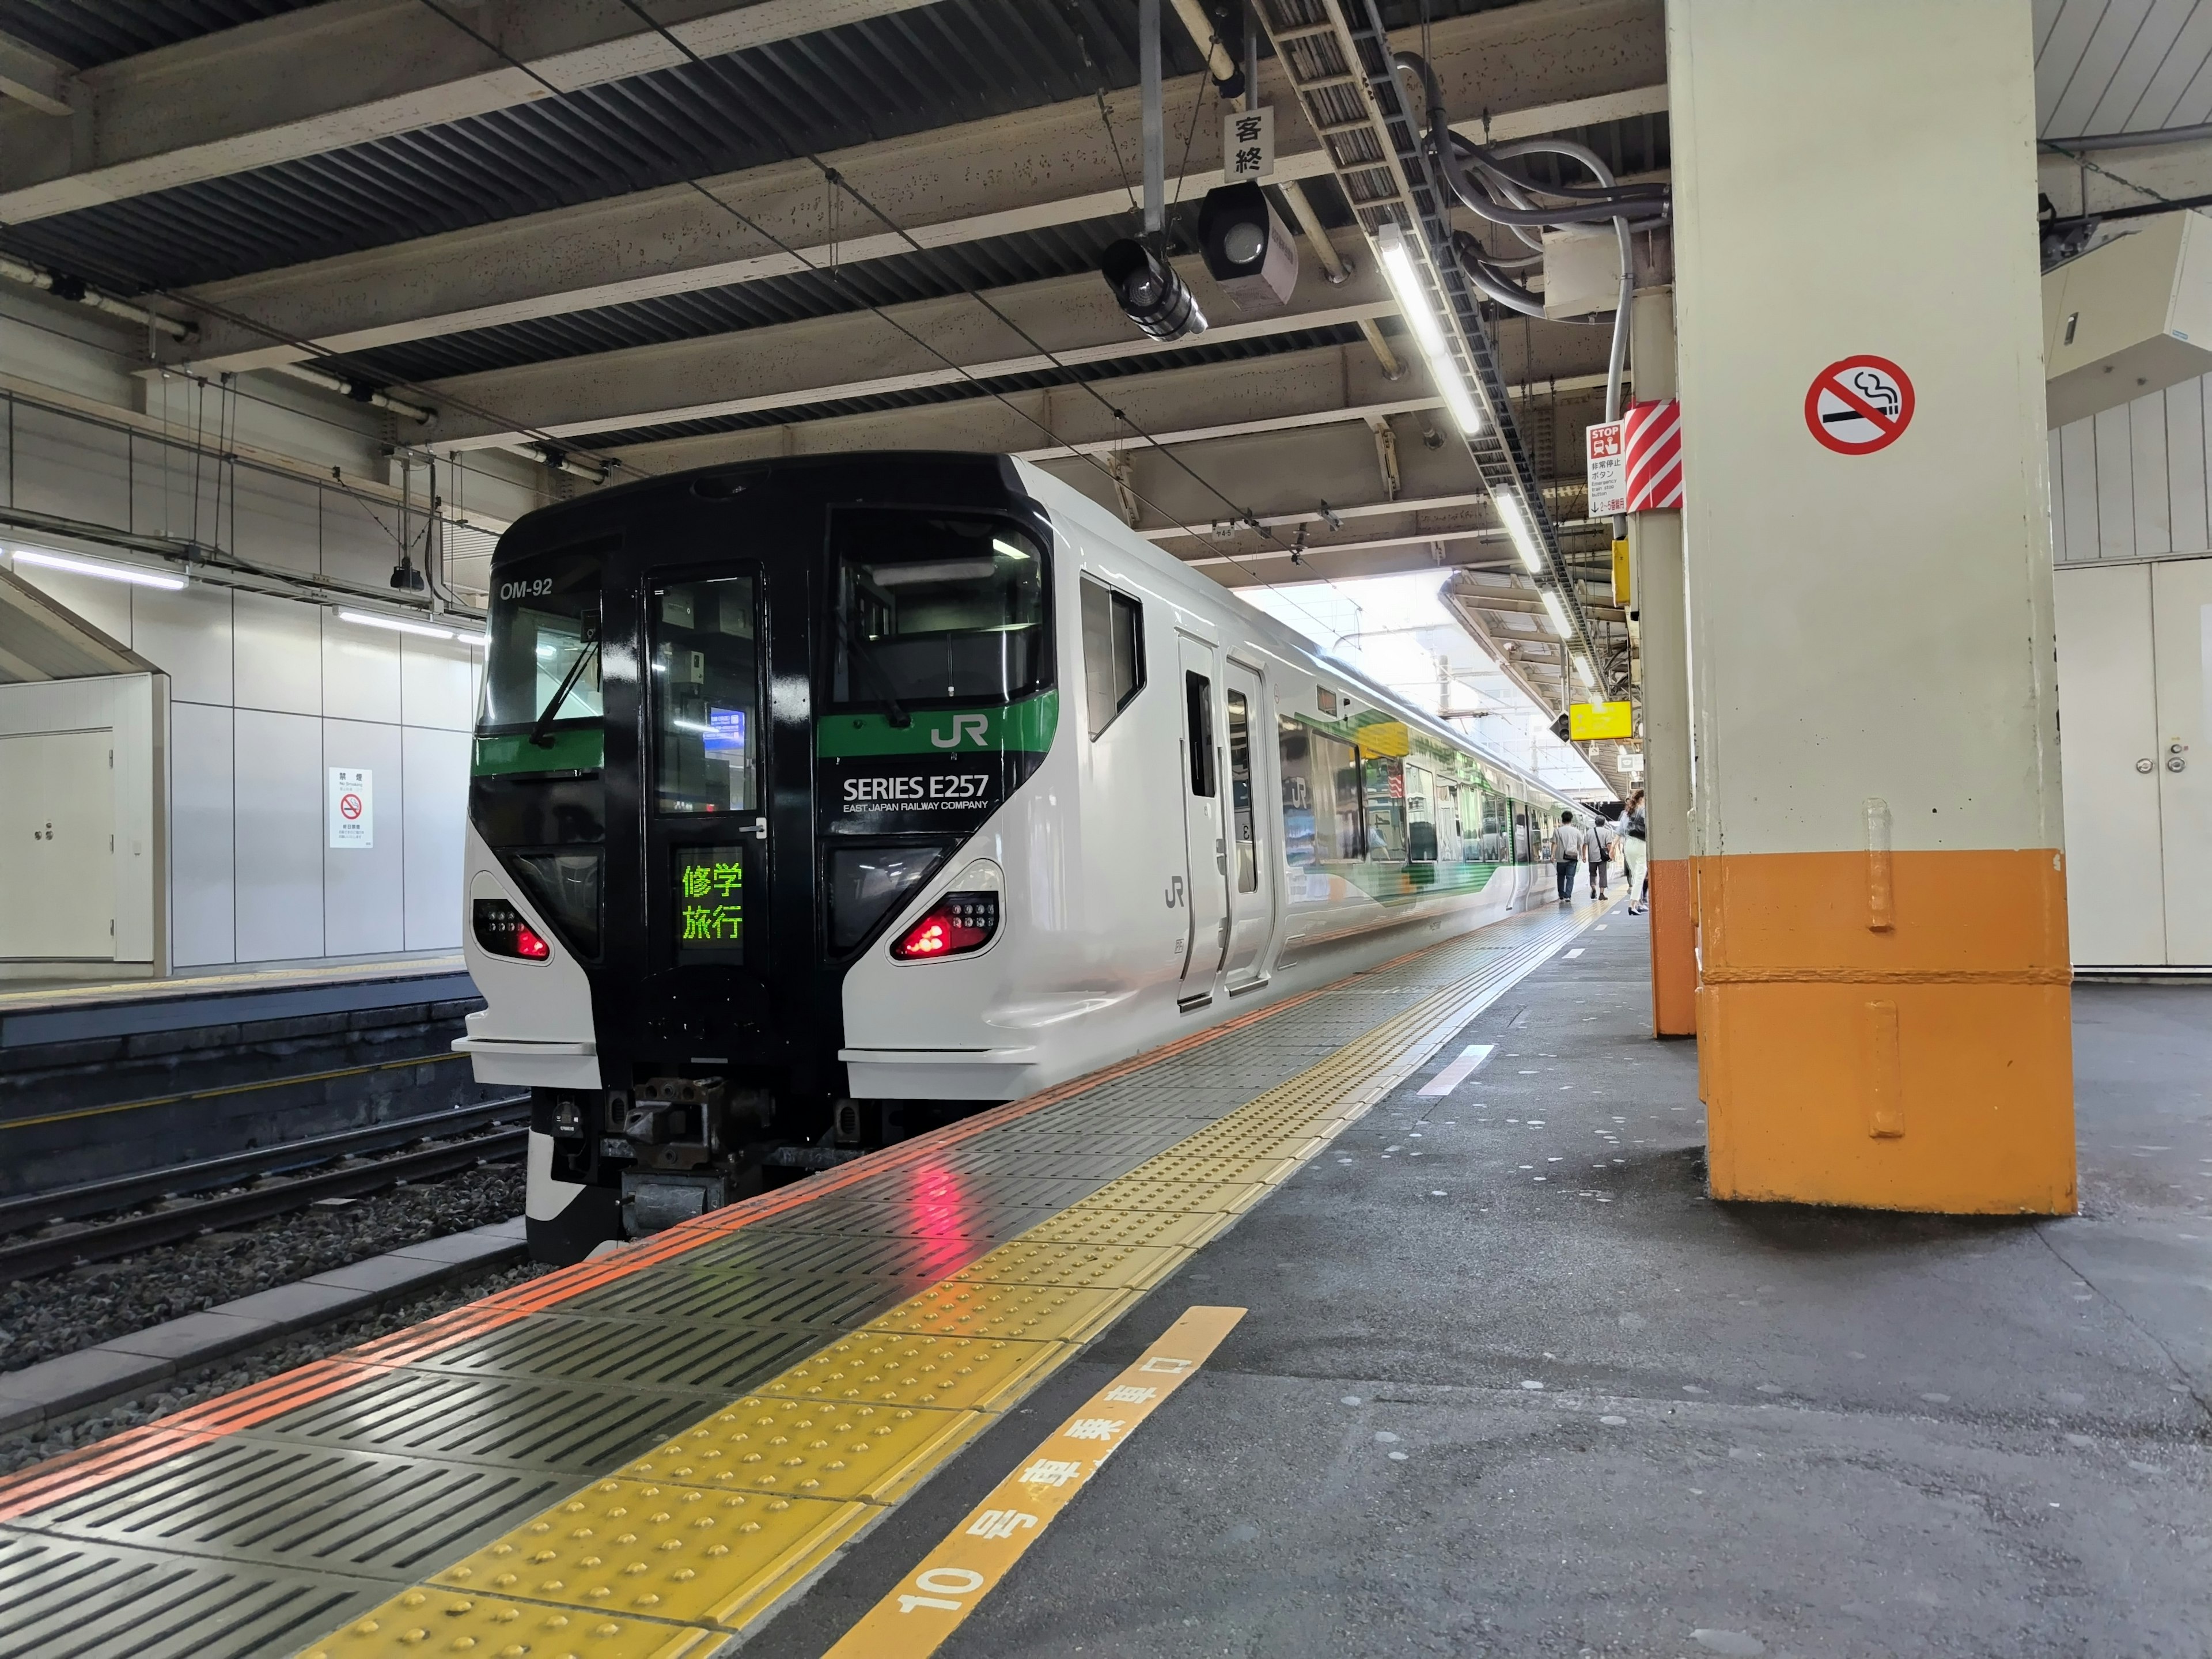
(1655,555)
(1883,1019)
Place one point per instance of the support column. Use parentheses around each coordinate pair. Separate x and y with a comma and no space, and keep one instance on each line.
(1655,562)
(1884,1015)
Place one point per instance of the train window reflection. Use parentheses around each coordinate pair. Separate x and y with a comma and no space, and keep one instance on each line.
(1240,793)
(706,697)
(544,630)
(932,608)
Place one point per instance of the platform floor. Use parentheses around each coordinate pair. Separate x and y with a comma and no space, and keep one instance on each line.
(1506,1384)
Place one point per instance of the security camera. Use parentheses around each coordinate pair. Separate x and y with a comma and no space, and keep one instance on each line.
(1247,250)
(1147,288)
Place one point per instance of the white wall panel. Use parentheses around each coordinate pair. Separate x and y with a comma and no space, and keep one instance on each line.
(187,636)
(364,888)
(360,672)
(2054,465)
(279,654)
(202,882)
(2077,447)
(105,604)
(71,468)
(437,683)
(272,520)
(2115,489)
(279,841)
(437,770)
(2185,462)
(2147,469)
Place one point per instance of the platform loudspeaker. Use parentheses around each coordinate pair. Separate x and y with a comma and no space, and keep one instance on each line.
(1247,250)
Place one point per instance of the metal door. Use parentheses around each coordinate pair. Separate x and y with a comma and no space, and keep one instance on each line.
(57,824)
(2181,620)
(1204,842)
(1253,862)
(2108,749)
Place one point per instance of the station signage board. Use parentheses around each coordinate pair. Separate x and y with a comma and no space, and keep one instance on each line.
(352,808)
(1587,720)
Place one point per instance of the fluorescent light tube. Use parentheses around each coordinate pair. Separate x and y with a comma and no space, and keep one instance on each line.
(137,575)
(1405,280)
(1516,526)
(1582,671)
(1558,613)
(367,619)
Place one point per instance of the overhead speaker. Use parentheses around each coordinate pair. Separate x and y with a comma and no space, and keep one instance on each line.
(1148,291)
(1247,250)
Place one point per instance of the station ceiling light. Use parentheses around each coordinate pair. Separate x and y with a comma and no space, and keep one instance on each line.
(1420,316)
(402,625)
(1558,613)
(1516,526)
(1582,671)
(1149,292)
(137,575)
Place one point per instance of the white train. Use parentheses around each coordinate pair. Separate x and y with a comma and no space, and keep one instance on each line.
(815,801)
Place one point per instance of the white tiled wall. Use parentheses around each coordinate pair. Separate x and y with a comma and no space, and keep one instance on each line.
(265,695)
(2133,481)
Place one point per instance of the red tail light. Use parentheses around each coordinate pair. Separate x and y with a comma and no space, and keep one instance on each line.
(500,930)
(957,924)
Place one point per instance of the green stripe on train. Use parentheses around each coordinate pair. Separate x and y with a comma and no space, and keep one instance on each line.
(571,749)
(1028,724)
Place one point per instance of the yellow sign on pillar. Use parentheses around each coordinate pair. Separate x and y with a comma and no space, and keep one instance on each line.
(1624,585)
(1600,720)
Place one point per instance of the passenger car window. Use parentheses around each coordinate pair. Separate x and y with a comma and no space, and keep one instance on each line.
(934,608)
(1198,700)
(706,697)
(1113,653)
(1240,793)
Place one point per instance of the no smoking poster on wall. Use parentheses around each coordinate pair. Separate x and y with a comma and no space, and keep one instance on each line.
(353,807)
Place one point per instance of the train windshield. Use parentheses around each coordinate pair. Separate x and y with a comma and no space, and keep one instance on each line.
(935,607)
(542,670)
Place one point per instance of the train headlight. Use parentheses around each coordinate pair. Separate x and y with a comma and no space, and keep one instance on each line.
(960,920)
(500,930)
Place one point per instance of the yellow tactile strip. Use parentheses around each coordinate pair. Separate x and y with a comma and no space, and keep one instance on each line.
(666,1546)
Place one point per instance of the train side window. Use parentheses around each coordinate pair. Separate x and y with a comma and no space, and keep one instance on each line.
(1240,793)
(1113,653)
(1197,702)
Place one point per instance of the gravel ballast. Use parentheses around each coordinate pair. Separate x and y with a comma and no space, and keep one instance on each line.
(65,1312)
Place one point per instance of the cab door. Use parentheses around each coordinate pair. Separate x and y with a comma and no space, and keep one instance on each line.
(1204,835)
(1253,859)
(707,864)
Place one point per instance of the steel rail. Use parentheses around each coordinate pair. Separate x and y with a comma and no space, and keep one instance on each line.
(104,1241)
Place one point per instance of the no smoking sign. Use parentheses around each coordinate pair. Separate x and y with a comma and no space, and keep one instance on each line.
(1859,404)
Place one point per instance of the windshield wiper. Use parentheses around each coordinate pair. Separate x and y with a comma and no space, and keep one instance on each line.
(541,734)
(898,716)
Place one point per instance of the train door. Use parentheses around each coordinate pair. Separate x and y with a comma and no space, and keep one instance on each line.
(1253,858)
(1206,848)
(707,845)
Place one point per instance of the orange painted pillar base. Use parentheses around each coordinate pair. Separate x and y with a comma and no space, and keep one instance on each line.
(1892,1034)
(1673,949)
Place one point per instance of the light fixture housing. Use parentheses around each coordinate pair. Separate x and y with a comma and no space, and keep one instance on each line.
(1582,671)
(135,576)
(1249,251)
(1149,292)
(1396,256)
(400,625)
(1558,613)
(1516,525)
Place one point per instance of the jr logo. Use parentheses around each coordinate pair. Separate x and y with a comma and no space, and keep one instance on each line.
(972,726)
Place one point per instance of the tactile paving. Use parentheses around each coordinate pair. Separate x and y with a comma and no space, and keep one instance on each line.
(1104,1224)
(1055,1312)
(643,1549)
(537,1423)
(1175,1192)
(898,1368)
(1040,1261)
(636,1351)
(443,1622)
(811,1449)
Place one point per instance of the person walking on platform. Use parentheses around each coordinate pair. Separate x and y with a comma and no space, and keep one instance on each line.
(1567,852)
(1603,839)
(1634,835)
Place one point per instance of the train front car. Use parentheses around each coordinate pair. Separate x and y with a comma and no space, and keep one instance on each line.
(732,723)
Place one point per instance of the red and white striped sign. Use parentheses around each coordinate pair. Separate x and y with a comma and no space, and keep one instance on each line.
(1655,455)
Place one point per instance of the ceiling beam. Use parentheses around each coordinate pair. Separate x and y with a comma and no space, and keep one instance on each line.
(1279,393)
(37,79)
(346,72)
(1532,68)
(858,355)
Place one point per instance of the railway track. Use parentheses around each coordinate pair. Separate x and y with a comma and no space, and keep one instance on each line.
(190,1199)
